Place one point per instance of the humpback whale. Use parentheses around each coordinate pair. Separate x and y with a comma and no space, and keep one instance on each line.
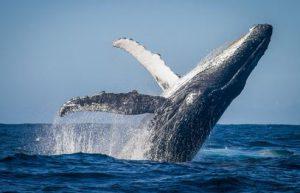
(189,106)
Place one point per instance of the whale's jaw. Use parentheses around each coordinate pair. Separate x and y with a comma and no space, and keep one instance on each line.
(180,128)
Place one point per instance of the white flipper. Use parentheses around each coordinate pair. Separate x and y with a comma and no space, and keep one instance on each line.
(164,76)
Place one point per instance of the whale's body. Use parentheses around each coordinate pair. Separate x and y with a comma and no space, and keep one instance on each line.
(191,105)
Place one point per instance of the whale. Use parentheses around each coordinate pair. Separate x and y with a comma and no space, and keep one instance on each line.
(189,107)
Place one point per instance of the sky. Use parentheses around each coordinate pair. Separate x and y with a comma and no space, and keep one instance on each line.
(51,51)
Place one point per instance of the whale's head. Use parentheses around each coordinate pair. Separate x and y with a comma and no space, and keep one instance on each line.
(228,71)
(224,76)
(198,103)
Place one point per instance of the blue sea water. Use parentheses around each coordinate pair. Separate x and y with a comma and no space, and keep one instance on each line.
(235,158)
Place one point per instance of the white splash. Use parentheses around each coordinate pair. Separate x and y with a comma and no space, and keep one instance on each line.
(118,136)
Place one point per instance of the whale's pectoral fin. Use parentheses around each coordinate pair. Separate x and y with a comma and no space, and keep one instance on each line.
(131,103)
(164,76)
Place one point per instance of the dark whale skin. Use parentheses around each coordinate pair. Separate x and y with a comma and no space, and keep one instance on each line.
(179,129)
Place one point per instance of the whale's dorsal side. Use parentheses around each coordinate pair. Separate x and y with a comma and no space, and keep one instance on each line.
(164,76)
(130,103)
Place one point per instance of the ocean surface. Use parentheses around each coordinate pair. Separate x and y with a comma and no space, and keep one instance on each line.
(235,158)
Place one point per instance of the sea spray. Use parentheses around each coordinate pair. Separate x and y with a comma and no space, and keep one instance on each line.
(139,142)
(120,136)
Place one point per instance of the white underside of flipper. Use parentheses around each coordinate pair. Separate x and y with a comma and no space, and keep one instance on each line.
(164,76)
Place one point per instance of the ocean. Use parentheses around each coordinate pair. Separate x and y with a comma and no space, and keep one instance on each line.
(235,158)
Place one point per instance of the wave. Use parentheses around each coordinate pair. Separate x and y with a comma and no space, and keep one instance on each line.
(221,173)
(234,152)
(63,157)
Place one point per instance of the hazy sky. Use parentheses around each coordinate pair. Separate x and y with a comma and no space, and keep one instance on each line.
(51,51)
